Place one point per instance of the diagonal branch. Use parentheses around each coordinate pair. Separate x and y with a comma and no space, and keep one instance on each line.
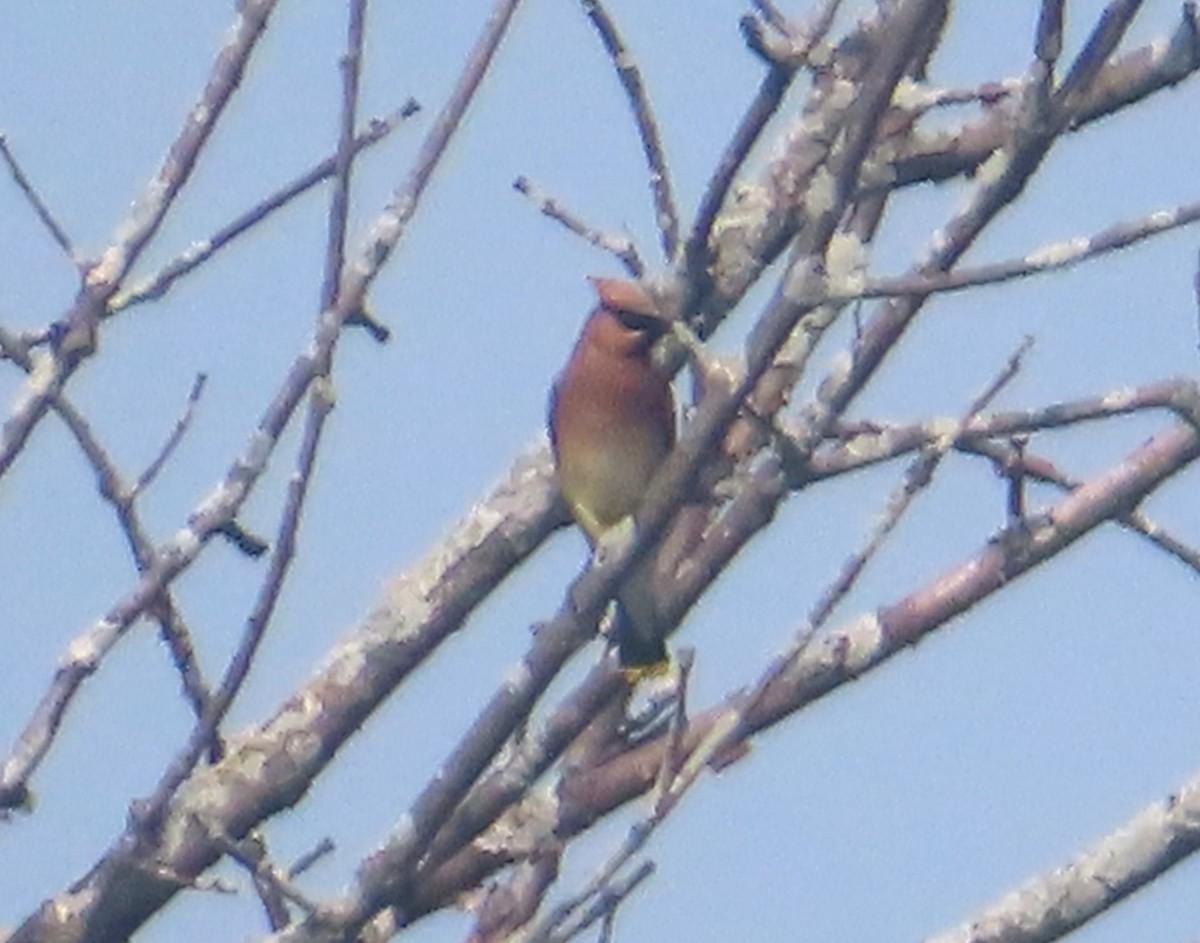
(805,673)
(1124,861)
(158,284)
(76,339)
(1048,258)
(184,847)
(666,216)
(620,246)
(40,209)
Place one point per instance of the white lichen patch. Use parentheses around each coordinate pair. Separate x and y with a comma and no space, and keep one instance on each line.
(81,652)
(39,381)
(994,167)
(302,747)
(821,193)
(863,642)
(910,95)
(258,452)
(862,447)
(517,676)
(803,284)
(108,268)
(820,55)
(846,264)
(943,431)
(345,668)
(839,369)
(938,242)
(1058,253)
(525,827)
(67,907)
(404,832)
(1164,219)
(841,95)
(1119,399)
(879,169)
(186,542)
(750,203)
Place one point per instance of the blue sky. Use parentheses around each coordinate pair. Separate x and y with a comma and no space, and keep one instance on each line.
(891,810)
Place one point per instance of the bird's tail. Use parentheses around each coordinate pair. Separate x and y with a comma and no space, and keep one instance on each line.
(638,628)
(638,655)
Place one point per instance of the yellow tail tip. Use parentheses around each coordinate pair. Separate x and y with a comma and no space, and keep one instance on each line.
(635,673)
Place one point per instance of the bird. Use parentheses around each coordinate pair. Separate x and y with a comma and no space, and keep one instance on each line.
(611,424)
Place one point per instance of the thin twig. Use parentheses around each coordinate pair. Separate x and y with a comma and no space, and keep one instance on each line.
(673,755)
(77,330)
(772,14)
(732,727)
(770,94)
(218,511)
(916,99)
(600,888)
(916,479)
(1049,41)
(388,229)
(157,285)
(1047,47)
(306,861)
(181,426)
(1043,470)
(872,639)
(57,233)
(787,45)
(172,627)
(666,216)
(1123,82)
(227,499)
(204,732)
(620,246)
(535,753)
(604,903)
(110,484)
(339,197)
(1107,34)
(783,315)
(320,404)
(1195,289)
(1048,258)
(251,854)
(880,442)
(875,637)
(872,442)
(764,344)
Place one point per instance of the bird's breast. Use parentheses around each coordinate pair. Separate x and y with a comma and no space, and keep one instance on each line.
(610,438)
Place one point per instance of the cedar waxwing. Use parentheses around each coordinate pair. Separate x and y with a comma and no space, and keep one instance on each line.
(612,422)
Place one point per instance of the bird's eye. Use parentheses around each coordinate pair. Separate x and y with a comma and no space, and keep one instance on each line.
(641,323)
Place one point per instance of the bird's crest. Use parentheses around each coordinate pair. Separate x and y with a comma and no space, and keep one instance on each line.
(619,294)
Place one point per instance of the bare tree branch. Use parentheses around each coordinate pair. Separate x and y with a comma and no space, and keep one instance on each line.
(76,338)
(180,429)
(157,285)
(620,246)
(666,216)
(40,209)
(488,828)
(1048,258)
(1054,904)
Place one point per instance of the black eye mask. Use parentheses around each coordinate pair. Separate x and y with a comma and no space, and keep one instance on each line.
(642,323)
